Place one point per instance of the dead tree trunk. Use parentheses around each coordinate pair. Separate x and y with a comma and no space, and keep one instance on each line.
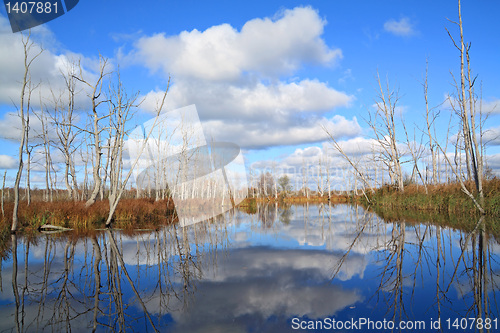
(23,109)
(385,131)
(96,130)
(467,113)
(121,111)
(429,119)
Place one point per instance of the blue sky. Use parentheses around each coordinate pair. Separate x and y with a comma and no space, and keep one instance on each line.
(268,74)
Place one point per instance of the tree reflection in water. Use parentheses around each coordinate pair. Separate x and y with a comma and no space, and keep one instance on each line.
(414,251)
(253,271)
(75,288)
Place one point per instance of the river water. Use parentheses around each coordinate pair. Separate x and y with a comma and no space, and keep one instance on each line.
(282,269)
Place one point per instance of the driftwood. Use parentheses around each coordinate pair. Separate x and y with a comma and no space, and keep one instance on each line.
(51,228)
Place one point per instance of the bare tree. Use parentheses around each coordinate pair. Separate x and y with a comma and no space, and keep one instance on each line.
(319,178)
(65,129)
(275,177)
(120,106)
(430,117)
(23,110)
(305,177)
(384,128)
(466,109)
(266,184)
(120,113)
(85,157)
(416,150)
(44,136)
(95,97)
(29,150)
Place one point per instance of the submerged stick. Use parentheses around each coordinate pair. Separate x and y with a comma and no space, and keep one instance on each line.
(53,227)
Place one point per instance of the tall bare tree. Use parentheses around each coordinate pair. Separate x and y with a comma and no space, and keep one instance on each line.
(416,150)
(430,117)
(465,107)
(328,180)
(97,128)
(305,177)
(44,136)
(29,150)
(120,106)
(119,114)
(67,133)
(23,109)
(319,177)
(383,125)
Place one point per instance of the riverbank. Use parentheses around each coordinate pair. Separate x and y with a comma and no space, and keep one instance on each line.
(130,214)
(301,199)
(443,199)
(249,205)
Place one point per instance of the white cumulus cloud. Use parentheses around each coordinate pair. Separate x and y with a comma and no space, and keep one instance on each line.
(45,71)
(491,136)
(242,83)
(262,135)
(7,162)
(491,106)
(251,101)
(403,27)
(269,47)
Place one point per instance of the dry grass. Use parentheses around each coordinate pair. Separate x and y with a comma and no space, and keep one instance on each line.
(442,198)
(130,213)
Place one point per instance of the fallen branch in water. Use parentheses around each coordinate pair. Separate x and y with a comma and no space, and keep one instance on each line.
(53,227)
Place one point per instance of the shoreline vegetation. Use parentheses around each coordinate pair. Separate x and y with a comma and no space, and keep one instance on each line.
(439,200)
(441,204)
(142,213)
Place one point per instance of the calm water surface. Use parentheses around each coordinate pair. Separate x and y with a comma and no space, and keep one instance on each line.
(279,270)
